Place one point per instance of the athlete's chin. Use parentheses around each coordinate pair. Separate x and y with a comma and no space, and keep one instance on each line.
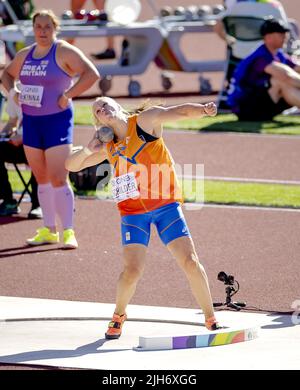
(44,41)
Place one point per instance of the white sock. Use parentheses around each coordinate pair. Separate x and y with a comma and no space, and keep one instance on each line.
(46,199)
(64,204)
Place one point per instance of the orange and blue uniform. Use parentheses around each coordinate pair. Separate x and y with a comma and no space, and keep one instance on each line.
(145,187)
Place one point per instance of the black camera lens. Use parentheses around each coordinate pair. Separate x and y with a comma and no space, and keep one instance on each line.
(226,279)
(230,279)
(222,276)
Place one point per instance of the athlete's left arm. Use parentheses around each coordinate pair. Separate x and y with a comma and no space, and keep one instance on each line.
(75,63)
(152,119)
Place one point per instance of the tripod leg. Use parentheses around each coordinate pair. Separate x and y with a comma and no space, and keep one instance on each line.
(240,304)
(234,306)
(218,304)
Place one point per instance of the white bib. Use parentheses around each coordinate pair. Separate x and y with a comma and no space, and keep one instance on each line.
(124,187)
(31,95)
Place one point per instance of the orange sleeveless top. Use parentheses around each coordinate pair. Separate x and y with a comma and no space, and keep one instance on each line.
(144,175)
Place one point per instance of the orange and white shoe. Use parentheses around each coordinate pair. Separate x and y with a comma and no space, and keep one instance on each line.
(212,324)
(115,326)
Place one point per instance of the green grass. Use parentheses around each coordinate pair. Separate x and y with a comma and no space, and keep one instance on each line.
(83,115)
(252,194)
(234,193)
(282,124)
(15,181)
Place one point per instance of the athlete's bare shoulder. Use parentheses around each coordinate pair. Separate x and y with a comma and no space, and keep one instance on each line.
(71,59)
(14,67)
(66,47)
(21,54)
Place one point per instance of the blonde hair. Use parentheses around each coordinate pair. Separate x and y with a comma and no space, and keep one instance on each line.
(49,13)
(145,105)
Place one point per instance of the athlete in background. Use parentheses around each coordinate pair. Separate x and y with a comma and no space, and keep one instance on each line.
(46,70)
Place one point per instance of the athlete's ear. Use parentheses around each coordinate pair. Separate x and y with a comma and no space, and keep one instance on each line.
(96,120)
(94,109)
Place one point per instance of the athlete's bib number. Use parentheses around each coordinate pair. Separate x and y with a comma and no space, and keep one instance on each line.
(31,95)
(124,187)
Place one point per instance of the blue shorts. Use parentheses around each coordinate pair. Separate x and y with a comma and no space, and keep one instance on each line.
(45,131)
(169,221)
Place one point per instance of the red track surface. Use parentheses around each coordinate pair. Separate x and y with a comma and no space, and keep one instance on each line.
(259,247)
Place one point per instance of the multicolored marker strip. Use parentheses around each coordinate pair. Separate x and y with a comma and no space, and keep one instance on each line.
(196,341)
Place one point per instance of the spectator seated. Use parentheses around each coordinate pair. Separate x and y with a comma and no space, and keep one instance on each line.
(242,24)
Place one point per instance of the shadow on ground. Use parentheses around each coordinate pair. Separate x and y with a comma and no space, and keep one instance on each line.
(279,126)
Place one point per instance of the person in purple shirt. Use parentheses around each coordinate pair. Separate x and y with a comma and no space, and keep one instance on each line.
(267,82)
(46,70)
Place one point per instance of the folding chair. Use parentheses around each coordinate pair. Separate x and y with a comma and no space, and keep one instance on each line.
(26,185)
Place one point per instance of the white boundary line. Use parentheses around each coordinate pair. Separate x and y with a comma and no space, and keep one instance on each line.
(241,207)
(240,179)
(231,133)
(132,319)
(166,342)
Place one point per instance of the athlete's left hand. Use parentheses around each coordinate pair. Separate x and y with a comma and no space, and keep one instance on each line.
(63,101)
(210,109)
